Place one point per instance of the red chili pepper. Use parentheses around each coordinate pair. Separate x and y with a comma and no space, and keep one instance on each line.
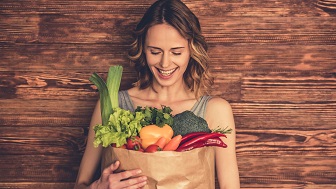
(215,142)
(187,148)
(209,142)
(189,136)
(201,138)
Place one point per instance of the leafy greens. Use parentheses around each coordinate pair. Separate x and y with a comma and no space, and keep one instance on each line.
(117,124)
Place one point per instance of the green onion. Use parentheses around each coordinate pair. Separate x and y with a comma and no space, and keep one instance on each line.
(113,84)
(108,92)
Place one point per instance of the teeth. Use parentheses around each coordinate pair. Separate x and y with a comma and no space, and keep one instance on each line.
(166,72)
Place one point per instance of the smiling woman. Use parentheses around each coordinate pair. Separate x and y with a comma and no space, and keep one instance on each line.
(170,56)
(274,61)
(181,24)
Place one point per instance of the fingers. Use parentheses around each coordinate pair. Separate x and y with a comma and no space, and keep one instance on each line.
(109,170)
(132,182)
(114,166)
(126,179)
(127,174)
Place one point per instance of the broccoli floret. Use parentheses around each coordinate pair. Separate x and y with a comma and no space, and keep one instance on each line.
(186,122)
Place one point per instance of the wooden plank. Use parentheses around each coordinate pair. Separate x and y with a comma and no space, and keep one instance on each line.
(286,142)
(284,116)
(39,85)
(40,185)
(86,28)
(287,170)
(250,8)
(47,108)
(260,30)
(39,168)
(232,8)
(289,87)
(281,58)
(63,57)
(47,140)
(227,85)
(75,7)
(42,113)
(54,84)
(18,28)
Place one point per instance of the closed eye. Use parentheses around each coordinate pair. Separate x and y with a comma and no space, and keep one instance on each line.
(155,52)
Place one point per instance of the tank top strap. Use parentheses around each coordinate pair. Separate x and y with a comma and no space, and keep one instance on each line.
(200,106)
(125,101)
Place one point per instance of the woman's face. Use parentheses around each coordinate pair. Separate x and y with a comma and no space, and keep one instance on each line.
(167,54)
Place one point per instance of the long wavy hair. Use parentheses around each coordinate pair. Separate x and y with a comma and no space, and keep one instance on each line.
(175,13)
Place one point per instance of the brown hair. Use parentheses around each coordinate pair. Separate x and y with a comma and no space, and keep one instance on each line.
(177,14)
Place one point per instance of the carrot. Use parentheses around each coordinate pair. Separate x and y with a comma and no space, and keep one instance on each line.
(161,142)
(173,144)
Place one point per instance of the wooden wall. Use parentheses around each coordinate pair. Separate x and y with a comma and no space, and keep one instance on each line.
(274,61)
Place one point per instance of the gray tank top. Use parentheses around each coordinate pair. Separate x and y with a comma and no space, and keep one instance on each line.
(198,109)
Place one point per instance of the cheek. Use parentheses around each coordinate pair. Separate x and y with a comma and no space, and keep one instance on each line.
(151,60)
(186,57)
(185,60)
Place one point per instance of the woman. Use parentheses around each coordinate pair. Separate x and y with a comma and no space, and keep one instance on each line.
(170,56)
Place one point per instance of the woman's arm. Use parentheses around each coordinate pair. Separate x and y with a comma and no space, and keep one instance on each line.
(219,114)
(92,155)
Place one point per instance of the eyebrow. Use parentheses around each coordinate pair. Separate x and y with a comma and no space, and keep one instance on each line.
(175,48)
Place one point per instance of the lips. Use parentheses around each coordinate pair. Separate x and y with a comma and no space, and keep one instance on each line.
(166,73)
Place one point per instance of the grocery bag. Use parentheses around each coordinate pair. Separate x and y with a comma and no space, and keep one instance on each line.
(192,169)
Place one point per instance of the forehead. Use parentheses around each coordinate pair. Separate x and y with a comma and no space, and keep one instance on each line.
(164,34)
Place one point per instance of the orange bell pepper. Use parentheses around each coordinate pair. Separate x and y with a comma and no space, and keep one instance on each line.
(150,134)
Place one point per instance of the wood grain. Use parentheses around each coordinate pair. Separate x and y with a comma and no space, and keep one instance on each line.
(274,61)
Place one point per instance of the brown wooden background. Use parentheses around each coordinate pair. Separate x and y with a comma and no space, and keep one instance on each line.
(274,61)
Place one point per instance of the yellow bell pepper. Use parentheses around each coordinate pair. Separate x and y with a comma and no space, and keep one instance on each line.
(150,134)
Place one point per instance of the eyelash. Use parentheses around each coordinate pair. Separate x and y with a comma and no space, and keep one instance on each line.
(156,53)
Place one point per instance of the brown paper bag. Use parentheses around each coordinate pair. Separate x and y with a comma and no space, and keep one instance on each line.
(192,169)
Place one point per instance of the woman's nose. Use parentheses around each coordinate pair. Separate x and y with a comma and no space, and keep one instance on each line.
(165,61)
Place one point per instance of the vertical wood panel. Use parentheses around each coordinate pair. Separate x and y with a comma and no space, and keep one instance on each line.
(274,61)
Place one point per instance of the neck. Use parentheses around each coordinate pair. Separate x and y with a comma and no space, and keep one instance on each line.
(170,94)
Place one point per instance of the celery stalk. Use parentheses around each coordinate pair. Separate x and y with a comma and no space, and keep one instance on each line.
(113,84)
(105,102)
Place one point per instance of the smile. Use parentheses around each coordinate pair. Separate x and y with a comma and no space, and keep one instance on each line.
(166,72)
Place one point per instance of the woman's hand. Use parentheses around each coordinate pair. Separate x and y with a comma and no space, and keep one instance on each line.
(126,179)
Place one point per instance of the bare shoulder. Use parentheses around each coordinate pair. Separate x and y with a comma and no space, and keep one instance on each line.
(219,113)
(216,104)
